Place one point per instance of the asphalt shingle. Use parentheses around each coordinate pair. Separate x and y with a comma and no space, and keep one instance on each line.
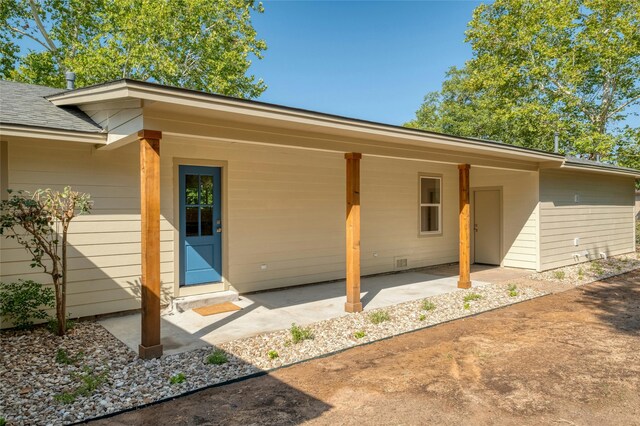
(25,104)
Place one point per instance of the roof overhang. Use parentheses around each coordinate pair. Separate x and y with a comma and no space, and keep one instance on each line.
(16,131)
(601,168)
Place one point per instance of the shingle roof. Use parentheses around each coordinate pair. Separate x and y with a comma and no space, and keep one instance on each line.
(25,104)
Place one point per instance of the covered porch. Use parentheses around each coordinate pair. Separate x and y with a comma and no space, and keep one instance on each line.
(274,310)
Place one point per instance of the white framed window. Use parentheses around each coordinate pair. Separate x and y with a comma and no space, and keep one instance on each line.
(430,205)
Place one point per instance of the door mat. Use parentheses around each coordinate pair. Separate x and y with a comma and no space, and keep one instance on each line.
(218,308)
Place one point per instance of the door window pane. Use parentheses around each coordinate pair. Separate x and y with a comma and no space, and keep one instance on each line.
(206,220)
(206,189)
(429,218)
(430,191)
(191,215)
(191,189)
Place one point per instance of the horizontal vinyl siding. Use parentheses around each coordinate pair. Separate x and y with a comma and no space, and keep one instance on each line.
(104,246)
(519,213)
(602,217)
(286,209)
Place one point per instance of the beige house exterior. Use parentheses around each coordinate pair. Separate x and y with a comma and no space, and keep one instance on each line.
(283,194)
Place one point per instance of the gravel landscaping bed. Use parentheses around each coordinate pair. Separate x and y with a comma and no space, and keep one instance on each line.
(97,374)
(587,272)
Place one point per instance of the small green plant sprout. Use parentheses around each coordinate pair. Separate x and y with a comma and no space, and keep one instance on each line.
(62,357)
(513,290)
(422,317)
(428,305)
(177,379)
(65,397)
(596,268)
(22,302)
(3,422)
(466,306)
(379,317)
(89,382)
(558,275)
(359,334)
(300,334)
(472,297)
(217,357)
(580,273)
(273,354)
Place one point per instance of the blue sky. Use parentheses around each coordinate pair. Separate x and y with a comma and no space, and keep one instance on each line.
(373,60)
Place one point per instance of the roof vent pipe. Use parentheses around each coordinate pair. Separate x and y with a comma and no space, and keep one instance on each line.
(556,143)
(71,80)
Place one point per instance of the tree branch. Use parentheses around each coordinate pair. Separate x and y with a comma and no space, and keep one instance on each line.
(17,30)
(43,31)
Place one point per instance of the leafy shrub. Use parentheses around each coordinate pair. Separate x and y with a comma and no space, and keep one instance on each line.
(428,305)
(359,334)
(218,357)
(472,297)
(24,301)
(299,334)
(177,379)
(272,354)
(379,317)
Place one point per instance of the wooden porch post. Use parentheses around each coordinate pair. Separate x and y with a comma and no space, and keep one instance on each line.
(353,233)
(150,346)
(465,228)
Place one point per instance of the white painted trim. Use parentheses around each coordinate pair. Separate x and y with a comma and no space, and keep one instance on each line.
(29,132)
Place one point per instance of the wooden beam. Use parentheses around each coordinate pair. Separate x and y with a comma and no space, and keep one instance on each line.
(465,228)
(353,233)
(149,140)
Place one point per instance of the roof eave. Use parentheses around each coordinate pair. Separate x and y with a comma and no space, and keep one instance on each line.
(35,132)
(602,169)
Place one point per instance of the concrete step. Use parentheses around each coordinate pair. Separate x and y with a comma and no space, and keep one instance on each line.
(182,304)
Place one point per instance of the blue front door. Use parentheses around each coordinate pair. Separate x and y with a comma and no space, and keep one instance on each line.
(200,225)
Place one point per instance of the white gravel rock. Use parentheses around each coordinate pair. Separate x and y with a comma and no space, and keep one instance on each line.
(31,377)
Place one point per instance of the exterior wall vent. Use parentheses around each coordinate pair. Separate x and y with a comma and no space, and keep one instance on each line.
(401,263)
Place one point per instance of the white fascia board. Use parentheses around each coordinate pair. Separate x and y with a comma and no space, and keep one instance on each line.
(29,132)
(601,169)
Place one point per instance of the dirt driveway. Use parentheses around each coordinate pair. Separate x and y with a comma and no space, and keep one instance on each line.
(569,358)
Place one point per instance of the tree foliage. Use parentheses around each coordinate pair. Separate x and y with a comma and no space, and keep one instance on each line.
(40,223)
(199,44)
(566,66)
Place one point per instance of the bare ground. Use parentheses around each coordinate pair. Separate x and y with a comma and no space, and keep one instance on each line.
(564,359)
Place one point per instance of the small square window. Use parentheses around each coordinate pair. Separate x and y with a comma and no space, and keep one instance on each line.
(430,205)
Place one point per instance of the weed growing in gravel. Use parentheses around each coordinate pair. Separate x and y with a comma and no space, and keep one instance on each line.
(558,275)
(471,297)
(580,273)
(513,290)
(65,397)
(273,354)
(466,306)
(422,317)
(177,379)
(89,382)
(299,334)
(52,325)
(3,422)
(359,334)
(218,357)
(428,305)
(379,317)
(596,268)
(62,357)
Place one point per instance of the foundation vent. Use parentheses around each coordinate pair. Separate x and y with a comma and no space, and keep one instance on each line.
(401,263)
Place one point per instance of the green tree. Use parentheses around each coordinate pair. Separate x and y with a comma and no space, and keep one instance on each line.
(40,223)
(199,44)
(566,66)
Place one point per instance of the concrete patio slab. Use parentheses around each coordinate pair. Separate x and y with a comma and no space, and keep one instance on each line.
(278,309)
